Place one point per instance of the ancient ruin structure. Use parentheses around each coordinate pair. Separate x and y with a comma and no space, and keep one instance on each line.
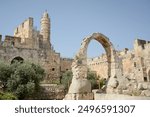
(29,44)
(80,85)
(127,72)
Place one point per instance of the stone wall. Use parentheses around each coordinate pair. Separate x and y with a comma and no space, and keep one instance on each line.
(134,63)
(52,92)
(65,64)
(99,65)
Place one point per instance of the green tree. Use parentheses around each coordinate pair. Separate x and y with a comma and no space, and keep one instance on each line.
(7,96)
(5,74)
(22,79)
(93,79)
(66,79)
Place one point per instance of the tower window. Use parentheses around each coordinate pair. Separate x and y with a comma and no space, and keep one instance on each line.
(53,69)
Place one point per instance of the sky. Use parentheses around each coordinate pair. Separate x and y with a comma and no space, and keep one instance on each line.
(122,21)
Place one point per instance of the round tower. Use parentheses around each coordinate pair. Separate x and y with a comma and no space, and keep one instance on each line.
(45,27)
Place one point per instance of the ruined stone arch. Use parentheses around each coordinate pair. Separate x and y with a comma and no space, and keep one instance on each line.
(79,66)
(80,85)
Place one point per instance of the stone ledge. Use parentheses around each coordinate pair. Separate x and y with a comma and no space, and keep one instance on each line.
(79,96)
(118,97)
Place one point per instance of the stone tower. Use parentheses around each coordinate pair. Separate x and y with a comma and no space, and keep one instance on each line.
(45,29)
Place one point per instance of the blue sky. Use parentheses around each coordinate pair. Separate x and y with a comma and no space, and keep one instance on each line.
(122,21)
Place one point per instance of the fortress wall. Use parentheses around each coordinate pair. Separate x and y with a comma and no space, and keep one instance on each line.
(65,64)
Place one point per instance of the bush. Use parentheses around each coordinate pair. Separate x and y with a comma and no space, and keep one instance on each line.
(7,96)
(93,79)
(102,82)
(21,79)
(5,74)
(66,79)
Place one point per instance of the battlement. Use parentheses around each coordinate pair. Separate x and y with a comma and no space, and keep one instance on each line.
(66,59)
(25,29)
(141,43)
(11,41)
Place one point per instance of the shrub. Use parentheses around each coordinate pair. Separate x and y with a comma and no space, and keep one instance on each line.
(66,79)
(91,76)
(21,79)
(7,96)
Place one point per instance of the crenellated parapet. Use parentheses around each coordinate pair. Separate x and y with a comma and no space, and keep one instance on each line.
(25,30)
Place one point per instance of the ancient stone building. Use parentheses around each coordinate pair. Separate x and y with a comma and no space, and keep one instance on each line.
(134,63)
(127,72)
(29,44)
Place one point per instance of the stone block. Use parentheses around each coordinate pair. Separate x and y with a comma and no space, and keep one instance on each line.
(79,96)
(140,86)
(146,93)
(80,86)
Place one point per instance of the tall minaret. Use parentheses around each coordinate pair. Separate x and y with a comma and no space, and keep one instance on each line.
(45,28)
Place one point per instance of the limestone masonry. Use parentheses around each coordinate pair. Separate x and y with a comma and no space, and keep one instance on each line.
(126,72)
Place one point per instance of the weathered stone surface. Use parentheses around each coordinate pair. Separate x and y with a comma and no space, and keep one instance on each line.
(80,86)
(79,96)
(113,82)
(118,97)
(140,86)
(146,93)
(52,92)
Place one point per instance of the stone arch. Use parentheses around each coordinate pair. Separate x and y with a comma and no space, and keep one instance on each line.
(80,87)
(18,58)
(79,66)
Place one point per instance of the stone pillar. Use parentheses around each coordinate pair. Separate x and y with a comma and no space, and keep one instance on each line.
(80,88)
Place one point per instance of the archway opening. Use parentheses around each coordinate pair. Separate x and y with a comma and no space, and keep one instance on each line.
(97,59)
(17,59)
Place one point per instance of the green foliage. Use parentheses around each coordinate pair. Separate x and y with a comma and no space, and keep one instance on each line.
(66,79)
(7,96)
(93,79)
(102,82)
(5,73)
(22,79)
